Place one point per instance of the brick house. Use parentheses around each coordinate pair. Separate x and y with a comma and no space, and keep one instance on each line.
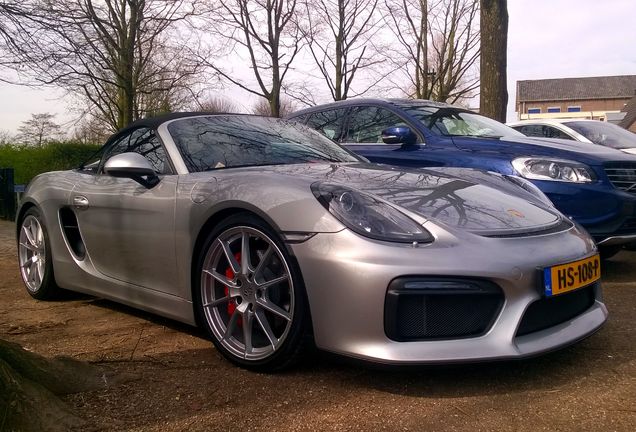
(629,121)
(589,97)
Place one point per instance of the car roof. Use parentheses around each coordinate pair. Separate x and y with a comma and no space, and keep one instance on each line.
(549,121)
(396,102)
(155,121)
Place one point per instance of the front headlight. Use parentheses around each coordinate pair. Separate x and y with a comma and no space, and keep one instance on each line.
(538,168)
(368,216)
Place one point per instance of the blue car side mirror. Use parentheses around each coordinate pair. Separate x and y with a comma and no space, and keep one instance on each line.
(399,135)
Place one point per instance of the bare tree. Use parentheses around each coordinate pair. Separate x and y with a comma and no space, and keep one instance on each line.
(340,38)
(39,129)
(287,106)
(218,105)
(117,54)
(455,49)
(441,43)
(494,61)
(12,13)
(6,137)
(408,19)
(267,32)
(91,130)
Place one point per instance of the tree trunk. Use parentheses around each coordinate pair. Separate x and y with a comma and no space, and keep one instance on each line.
(494,43)
(29,384)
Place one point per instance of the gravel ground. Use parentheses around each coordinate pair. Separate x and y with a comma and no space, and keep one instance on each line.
(182,383)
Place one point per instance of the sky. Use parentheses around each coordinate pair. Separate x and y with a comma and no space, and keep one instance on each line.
(546,39)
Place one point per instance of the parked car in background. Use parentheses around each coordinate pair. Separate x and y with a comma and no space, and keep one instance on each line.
(587,131)
(594,185)
(270,236)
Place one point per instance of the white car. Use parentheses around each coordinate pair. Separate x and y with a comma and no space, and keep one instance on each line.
(588,131)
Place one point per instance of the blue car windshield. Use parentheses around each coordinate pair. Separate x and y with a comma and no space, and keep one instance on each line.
(449,121)
(231,141)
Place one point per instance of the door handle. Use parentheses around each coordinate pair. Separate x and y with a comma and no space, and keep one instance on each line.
(80,202)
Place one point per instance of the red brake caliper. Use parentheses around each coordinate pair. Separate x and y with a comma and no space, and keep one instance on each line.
(231,305)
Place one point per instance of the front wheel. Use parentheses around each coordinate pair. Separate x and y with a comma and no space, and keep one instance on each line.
(250,296)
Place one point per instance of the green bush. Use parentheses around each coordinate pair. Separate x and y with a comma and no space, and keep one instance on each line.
(31,161)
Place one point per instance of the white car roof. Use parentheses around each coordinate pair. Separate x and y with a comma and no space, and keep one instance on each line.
(548,121)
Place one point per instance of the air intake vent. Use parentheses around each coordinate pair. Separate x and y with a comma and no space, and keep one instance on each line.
(68,220)
(440,308)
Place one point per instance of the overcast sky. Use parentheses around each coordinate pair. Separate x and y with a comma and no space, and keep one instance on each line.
(547,39)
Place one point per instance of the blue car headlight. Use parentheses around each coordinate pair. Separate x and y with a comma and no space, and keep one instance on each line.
(368,216)
(539,168)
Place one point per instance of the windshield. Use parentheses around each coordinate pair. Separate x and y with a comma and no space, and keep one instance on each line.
(605,134)
(456,122)
(219,142)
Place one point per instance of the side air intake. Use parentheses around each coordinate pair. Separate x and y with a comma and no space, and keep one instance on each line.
(71,231)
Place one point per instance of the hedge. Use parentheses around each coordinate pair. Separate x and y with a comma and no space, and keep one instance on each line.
(30,161)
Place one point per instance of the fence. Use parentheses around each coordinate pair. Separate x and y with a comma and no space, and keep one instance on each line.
(7,194)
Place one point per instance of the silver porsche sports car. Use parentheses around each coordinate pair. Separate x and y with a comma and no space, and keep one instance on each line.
(271,237)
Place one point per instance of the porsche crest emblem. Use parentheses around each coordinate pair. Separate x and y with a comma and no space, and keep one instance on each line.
(515,213)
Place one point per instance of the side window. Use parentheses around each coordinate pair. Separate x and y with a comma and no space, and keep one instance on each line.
(145,142)
(91,165)
(531,130)
(328,123)
(367,123)
(552,132)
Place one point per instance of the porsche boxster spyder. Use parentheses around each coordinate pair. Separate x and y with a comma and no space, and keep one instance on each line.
(271,237)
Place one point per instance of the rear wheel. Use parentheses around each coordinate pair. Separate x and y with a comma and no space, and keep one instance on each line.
(250,295)
(34,257)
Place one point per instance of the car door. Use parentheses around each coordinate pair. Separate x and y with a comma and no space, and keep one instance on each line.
(128,228)
(363,135)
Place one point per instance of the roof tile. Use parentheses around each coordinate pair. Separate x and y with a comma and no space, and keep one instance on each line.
(603,87)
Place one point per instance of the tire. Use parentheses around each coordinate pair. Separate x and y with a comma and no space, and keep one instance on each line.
(35,258)
(607,252)
(253,305)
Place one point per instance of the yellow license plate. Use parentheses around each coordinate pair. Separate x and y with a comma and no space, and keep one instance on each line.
(568,277)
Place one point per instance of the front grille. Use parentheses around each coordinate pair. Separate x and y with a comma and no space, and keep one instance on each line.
(550,311)
(429,309)
(622,175)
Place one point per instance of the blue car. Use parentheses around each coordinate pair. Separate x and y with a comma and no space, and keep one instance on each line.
(594,185)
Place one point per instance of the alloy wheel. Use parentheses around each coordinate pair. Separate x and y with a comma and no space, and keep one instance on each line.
(32,253)
(247,293)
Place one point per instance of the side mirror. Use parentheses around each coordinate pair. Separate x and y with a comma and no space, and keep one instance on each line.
(399,135)
(131,165)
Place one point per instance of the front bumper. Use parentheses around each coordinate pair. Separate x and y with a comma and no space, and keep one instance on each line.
(347,278)
(607,213)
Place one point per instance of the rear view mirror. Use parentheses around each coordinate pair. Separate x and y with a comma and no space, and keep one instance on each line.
(131,165)
(399,135)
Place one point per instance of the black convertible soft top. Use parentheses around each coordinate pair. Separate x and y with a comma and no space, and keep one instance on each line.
(156,121)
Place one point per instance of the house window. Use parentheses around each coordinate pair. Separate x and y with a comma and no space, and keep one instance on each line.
(534,110)
(575,108)
(554,109)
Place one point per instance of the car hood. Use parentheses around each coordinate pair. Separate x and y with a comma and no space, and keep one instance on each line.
(517,146)
(467,199)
